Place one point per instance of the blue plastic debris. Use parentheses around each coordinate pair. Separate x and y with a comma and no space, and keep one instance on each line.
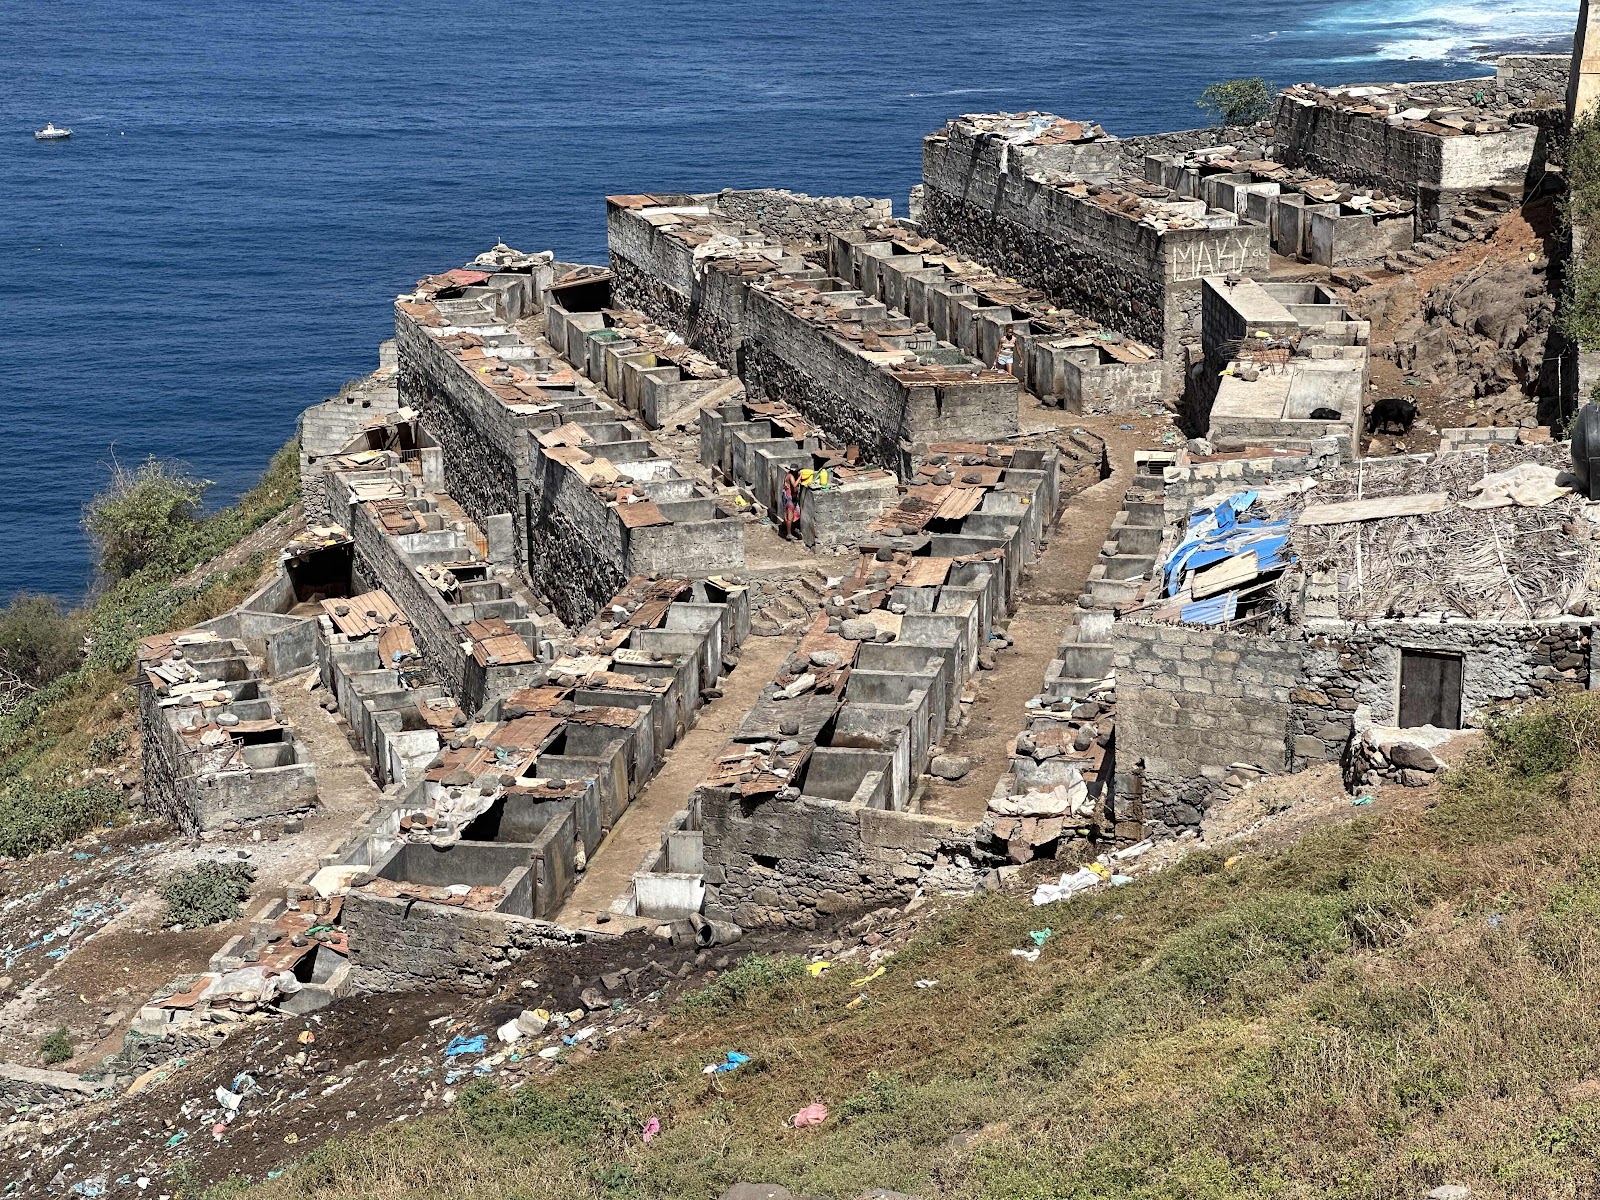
(466,1045)
(733,1062)
(1217,534)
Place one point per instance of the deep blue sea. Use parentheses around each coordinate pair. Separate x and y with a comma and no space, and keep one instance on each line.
(249,185)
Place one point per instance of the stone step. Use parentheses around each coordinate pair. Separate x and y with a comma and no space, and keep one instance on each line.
(1437,239)
(1428,250)
(1508,192)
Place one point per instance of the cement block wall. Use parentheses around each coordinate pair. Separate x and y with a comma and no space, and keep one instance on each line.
(1192,701)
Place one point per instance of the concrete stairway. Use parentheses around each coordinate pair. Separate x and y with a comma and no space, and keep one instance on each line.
(1084,659)
(1475,221)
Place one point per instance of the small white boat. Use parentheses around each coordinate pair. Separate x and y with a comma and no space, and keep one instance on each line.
(50,133)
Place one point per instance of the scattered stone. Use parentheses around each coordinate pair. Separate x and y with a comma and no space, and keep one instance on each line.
(949,766)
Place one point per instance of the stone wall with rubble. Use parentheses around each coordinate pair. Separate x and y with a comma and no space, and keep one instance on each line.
(1119,271)
(483,442)
(1187,486)
(657,275)
(1250,142)
(1346,665)
(1190,703)
(797,219)
(785,862)
(397,944)
(1355,147)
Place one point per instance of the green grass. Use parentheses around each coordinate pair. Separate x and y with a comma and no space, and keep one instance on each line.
(1391,1003)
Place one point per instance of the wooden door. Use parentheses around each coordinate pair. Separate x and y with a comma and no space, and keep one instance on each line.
(1430,689)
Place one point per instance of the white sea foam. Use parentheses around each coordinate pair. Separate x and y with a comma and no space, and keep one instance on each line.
(1436,32)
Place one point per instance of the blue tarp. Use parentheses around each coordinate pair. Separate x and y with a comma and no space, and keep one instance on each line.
(1217,534)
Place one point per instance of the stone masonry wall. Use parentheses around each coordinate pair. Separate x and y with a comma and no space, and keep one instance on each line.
(1191,702)
(397,944)
(825,857)
(655,274)
(483,442)
(1101,263)
(1110,287)
(578,545)
(378,564)
(168,792)
(795,218)
(1356,147)
(1351,664)
(1251,141)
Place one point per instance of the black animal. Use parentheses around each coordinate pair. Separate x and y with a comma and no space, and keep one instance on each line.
(1388,413)
(1325,414)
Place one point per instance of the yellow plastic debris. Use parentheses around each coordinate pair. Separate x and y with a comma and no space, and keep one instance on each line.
(816,969)
(866,979)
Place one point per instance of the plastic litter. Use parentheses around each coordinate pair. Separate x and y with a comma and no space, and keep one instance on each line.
(866,979)
(229,1100)
(733,1062)
(550,1052)
(1040,936)
(1082,880)
(1030,955)
(925,983)
(816,969)
(1362,800)
(510,1033)
(651,1128)
(811,1114)
(466,1045)
(307,1037)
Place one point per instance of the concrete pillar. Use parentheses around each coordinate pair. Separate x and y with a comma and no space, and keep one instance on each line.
(1583,87)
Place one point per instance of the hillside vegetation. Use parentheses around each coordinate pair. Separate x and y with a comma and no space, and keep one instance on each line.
(1393,1002)
(70,708)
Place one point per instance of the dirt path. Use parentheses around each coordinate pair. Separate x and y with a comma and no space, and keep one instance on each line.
(346,793)
(1049,598)
(610,875)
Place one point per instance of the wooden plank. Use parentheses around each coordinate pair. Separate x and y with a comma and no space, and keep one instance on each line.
(1374,510)
(1225,575)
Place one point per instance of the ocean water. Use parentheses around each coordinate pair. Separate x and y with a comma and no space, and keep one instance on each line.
(249,185)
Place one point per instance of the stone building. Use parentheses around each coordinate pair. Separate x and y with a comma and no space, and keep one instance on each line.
(1424,591)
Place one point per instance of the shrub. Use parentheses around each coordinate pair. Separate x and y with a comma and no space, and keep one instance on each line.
(38,641)
(36,816)
(1545,737)
(1238,101)
(208,894)
(1580,302)
(55,1047)
(147,517)
(755,977)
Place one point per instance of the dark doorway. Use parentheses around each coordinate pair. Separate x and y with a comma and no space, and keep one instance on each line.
(1430,689)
